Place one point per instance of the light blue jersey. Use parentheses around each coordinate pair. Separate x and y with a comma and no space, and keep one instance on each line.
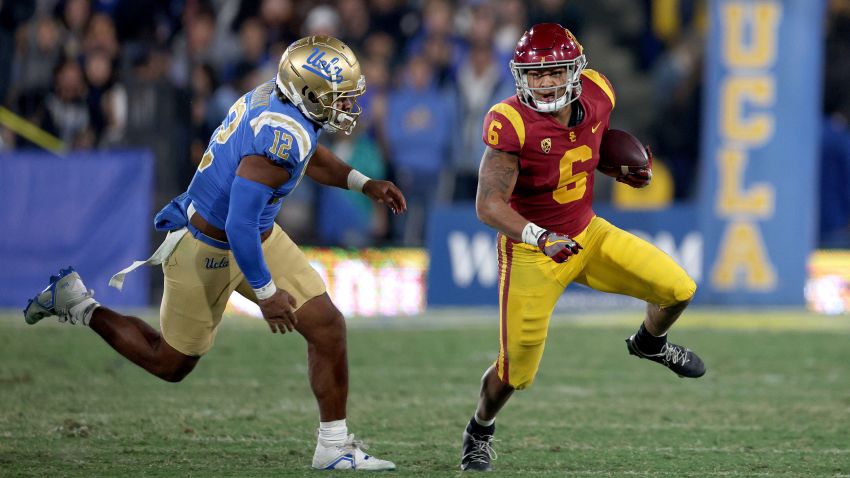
(257,124)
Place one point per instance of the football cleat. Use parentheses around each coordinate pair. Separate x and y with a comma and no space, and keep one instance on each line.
(477,452)
(350,455)
(683,362)
(66,297)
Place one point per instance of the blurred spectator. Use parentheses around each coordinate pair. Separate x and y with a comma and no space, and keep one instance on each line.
(151,22)
(438,42)
(834,193)
(38,52)
(280,21)
(252,43)
(244,78)
(195,44)
(347,217)
(480,85)
(418,129)
(557,11)
(66,112)
(512,23)
(158,117)
(374,101)
(12,16)
(665,23)
(75,16)
(202,126)
(107,99)
(380,47)
(678,99)
(322,20)
(100,35)
(356,27)
(393,18)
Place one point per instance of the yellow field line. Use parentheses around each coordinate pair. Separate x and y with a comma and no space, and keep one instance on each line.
(31,132)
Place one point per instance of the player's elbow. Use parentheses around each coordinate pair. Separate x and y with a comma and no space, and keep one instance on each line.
(485,211)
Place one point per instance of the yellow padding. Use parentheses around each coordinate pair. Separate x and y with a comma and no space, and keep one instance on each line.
(513,116)
(597,78)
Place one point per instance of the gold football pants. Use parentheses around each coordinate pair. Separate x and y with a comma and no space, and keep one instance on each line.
(199,279)
(530,284)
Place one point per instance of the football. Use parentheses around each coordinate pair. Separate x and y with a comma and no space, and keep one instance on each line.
(620,153)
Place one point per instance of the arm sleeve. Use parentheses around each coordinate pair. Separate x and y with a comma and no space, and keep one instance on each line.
(247,200)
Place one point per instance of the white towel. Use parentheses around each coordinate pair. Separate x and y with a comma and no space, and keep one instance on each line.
(158,257)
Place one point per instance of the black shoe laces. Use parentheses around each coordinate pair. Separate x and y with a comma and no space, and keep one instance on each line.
(482,450)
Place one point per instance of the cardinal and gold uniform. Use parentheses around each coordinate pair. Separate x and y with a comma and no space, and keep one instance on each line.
(554,190)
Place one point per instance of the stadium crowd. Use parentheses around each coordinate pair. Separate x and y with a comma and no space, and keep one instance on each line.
(162,74)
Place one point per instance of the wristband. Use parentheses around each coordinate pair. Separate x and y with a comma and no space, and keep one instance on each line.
(531,233)
(265,291)
(356,180)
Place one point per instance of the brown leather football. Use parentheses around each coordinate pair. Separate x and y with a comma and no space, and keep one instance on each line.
(620,152)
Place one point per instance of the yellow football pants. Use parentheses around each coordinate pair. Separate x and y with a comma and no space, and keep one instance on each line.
(530,284)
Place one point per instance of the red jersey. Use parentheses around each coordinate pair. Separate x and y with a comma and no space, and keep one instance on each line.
(555,185)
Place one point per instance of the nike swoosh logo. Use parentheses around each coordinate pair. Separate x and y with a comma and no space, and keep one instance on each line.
(557,241)
(593,129)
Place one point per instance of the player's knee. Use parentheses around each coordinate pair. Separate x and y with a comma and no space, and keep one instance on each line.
(173,376)
(177,369)
(684,290)
(331,332)
(518,377)
(522,382)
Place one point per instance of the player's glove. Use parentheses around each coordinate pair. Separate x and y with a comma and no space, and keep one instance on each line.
(639,177)
(559,247)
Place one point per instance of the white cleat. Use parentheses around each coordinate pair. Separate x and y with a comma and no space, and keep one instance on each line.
(348,456)
(66,297)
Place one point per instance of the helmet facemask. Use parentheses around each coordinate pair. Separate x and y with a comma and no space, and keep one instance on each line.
(335,117)
(565,93)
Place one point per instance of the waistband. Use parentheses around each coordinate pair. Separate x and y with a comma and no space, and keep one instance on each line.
(197,234)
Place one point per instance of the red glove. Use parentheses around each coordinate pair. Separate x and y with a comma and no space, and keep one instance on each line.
(638,177)
(559,247)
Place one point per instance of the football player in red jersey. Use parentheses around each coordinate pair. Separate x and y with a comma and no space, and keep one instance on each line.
(535,188)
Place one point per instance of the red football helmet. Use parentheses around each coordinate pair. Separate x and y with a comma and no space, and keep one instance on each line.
(548,45)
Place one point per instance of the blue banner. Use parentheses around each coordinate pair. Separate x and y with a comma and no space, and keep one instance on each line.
(760,149)
(464,269)
(88,210)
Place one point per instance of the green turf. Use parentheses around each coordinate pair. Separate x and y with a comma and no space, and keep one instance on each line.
(774,403)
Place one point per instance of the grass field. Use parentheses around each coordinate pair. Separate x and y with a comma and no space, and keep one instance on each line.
(775,401)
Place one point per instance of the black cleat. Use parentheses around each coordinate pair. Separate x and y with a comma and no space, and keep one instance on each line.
(477,452)
(683,362)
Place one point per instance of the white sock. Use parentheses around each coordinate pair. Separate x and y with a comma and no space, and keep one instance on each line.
(484,423)
(83,311)
(333,433)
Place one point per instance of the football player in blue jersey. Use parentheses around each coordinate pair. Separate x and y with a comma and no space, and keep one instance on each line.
(222,237)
